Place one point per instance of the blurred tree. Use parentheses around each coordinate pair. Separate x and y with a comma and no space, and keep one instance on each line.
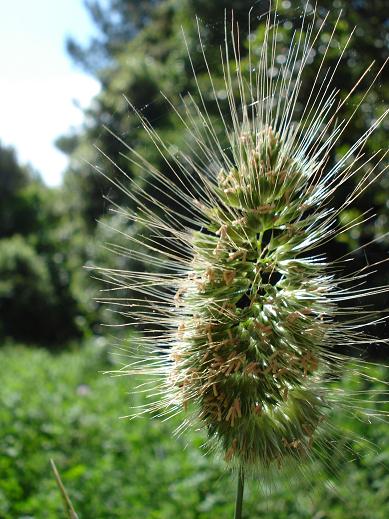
(44,295)
(13,178)
(31,307)
(116,21)
(12,175)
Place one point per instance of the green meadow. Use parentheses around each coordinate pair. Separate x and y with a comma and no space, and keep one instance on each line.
(62,407)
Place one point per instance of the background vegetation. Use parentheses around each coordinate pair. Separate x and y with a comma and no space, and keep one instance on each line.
(56,404)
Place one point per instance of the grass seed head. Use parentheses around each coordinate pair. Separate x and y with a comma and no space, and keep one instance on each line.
(244,307)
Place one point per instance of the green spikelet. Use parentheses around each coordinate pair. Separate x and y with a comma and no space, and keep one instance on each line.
(240,309)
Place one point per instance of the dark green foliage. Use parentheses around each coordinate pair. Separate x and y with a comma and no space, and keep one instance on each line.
(13,179)
(44,297)
(12,176)
(32,305)
(26,292)
(60,407)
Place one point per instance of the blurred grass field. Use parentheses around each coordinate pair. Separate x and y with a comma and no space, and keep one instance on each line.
(62,407)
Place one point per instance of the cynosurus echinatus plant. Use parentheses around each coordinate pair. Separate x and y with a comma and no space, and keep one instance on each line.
(243,317)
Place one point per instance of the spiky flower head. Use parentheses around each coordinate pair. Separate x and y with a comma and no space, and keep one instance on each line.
(241,320)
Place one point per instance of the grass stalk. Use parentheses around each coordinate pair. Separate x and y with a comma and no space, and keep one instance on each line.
(239,495)
(69,509)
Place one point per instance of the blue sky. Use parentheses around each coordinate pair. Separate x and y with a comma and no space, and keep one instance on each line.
(38,82)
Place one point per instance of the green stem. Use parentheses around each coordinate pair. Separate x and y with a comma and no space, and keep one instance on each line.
(239,495)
